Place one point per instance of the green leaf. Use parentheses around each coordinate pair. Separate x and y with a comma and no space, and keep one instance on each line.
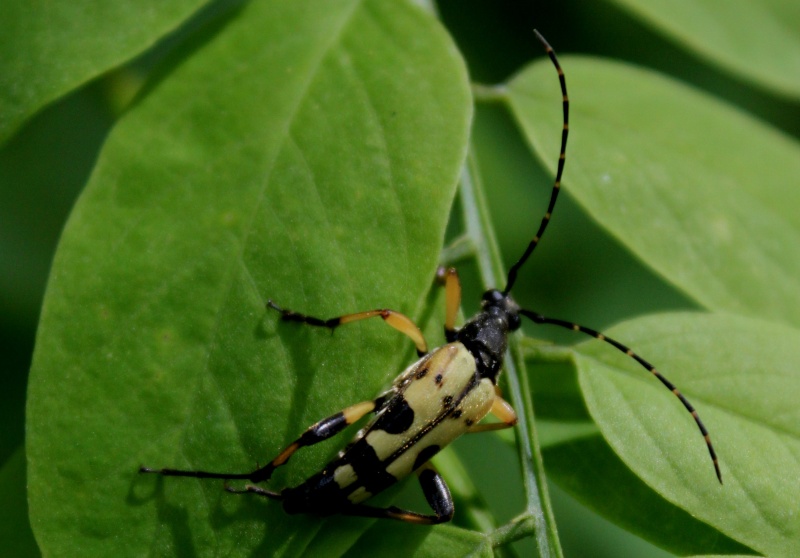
(757,41)
(442,541)
(703,194)
(308,153)
(741,375)
(49,49)
(589,470)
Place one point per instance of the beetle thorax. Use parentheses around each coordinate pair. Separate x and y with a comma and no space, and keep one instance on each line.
(486,335)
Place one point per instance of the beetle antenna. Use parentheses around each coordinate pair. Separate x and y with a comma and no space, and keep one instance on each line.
(512,273)
(539,319)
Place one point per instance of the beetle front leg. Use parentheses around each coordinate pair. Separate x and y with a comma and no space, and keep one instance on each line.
(398,321)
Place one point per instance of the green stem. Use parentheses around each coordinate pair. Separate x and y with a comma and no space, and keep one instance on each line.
(540,520)
(489,93)
(516,529)
(460,249)
(541,351)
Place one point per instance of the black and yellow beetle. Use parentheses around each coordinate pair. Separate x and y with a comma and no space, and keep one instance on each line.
(443,395)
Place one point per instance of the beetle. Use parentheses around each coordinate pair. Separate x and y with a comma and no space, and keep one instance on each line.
(444,394)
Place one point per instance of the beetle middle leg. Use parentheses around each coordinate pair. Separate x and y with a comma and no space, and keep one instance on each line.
(398,321)
(322,430)
(436,493)
(502,410)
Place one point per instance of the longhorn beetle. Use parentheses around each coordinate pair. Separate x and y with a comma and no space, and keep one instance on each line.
(443,395)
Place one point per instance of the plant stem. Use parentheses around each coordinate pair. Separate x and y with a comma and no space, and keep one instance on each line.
(487,254)
(489,93)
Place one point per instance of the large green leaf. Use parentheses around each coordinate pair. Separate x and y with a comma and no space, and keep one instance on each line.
(758,40)
(588,468)
(49,48)
(703,194)
(741,374)
(309,154)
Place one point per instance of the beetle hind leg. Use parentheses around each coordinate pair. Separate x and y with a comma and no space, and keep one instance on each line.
(436,493)
(255,490)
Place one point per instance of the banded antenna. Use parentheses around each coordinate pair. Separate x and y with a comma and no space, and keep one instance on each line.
(540,319)
(512,273)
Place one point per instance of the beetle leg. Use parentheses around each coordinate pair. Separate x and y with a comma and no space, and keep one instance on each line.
(255,490)
(452,290)
(436,493)
(501,409)
(318,432)
(400,322)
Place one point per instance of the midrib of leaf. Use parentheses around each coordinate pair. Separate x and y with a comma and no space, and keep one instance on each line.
(290,118)
(229,281)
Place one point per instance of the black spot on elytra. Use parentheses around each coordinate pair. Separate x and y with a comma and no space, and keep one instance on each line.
(379,403)
(421,373)
(320,494)
(447,400)
(469,422)
(438,379)
(397,417)
(370,471)
(456,414)
(425,455)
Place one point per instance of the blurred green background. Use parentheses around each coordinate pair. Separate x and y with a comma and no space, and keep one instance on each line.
(579,273)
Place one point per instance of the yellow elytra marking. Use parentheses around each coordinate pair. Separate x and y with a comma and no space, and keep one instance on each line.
(359,495)
(344,475)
